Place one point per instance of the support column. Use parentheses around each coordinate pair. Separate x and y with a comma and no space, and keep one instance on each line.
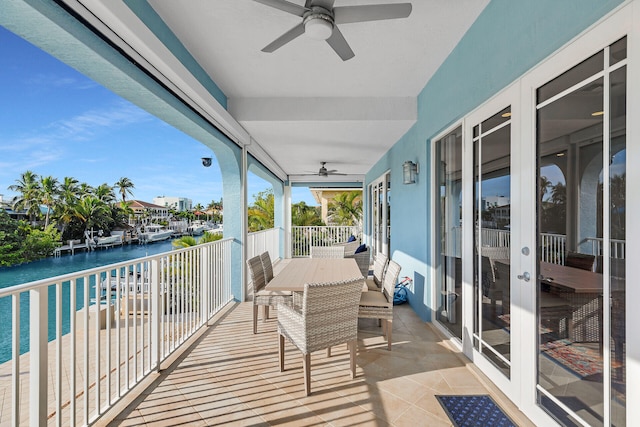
(286,235)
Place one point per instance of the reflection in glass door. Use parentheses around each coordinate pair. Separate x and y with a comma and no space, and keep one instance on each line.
(581,213)
(448,217)
(381,214)
(492,219)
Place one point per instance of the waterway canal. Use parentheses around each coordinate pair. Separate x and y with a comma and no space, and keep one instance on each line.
(51,267)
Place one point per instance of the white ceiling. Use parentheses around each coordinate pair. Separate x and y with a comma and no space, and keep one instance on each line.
(302,104)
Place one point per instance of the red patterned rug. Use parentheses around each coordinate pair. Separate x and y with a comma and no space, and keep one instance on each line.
(586,363)
(581,360)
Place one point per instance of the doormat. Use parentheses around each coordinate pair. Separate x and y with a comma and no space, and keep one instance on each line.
(474,411)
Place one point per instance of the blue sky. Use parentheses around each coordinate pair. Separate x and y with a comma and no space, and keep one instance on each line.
(55,121)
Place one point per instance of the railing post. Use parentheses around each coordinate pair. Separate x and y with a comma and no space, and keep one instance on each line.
(156,292)
(38,349)
(205,282)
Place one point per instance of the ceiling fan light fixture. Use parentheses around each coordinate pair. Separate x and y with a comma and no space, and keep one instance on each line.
(318,26)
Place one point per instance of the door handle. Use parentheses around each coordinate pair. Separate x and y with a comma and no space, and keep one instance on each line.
(524,276)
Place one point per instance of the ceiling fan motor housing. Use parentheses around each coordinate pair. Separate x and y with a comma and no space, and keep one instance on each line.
(318,23)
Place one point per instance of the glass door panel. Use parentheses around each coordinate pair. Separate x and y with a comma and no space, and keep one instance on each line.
(381,214)
(580,296)
(617,233)
(449,228)
(492,219)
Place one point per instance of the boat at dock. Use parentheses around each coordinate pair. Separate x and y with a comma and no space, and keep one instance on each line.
(197,228)
(154,233)
(108,241)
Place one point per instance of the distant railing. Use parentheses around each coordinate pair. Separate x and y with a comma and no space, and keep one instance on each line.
(264,241)
(618,247)
(303,237)
(103,330)
(553,247)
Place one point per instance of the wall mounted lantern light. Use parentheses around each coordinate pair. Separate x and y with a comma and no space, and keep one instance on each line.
(409,172)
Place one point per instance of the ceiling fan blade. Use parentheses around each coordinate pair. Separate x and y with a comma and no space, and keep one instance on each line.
(340,45)
(296,31)
(372,12)
(327,4)
(286,6)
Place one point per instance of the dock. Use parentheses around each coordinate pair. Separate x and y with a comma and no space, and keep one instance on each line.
(71,247)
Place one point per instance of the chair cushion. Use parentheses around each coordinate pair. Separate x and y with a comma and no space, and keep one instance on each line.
(352,238)
(372,285)
(361,248)
(374,299)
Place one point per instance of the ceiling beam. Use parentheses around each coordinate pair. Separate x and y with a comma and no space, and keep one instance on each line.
(324,109)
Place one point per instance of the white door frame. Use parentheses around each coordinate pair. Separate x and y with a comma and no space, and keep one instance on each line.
(507,97)
(611,28)
(521,96)
(380,240)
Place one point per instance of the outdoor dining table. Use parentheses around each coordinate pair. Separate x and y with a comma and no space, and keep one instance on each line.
(583,290)
(299,271)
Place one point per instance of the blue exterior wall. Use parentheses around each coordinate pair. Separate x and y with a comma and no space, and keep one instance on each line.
(508,39)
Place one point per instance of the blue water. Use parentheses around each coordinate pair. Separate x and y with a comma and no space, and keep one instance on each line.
(51,267)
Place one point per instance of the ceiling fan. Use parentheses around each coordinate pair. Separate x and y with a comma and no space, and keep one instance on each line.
(320,21)
(323,171)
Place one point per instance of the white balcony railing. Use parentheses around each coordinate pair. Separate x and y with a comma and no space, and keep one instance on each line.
(554,246)
(81,361)
(618,247)
(264,241)
(303,237)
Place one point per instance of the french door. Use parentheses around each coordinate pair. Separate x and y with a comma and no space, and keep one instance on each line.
(532,234)
(380,195)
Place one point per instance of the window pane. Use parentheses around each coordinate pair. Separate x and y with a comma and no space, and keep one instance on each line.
(617,260)
(575,75)
(449,187)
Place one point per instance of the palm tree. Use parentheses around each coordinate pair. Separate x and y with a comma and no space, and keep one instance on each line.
(69,190)
(68,195)
(545,185)
(28,188)
(261,214)
(346,208)
(124,186)
(93,212)
(105,193)
(210,237)
(304,215)
(184,242)
(85,189)
(48,194)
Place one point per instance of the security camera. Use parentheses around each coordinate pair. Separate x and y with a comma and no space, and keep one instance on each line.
(206,162)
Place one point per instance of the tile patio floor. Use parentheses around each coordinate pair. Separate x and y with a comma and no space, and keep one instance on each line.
(229,376)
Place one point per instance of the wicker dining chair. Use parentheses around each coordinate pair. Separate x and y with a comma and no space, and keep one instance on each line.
(327,251)
(379,305)
(260,295)
(267,266)
(327,317)
(379,266)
